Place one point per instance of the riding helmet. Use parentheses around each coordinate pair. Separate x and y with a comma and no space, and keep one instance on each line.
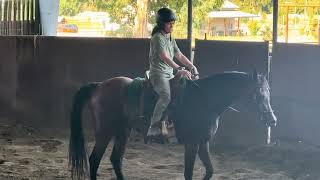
(165,15)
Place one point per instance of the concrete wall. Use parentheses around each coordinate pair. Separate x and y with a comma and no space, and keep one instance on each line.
(295,90)
(39,75)
(218,56)
(8,78)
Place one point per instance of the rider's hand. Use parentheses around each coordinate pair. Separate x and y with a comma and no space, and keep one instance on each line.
(195,73)
(184,73)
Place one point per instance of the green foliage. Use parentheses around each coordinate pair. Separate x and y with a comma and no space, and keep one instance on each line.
(70,7)
(254,6)
(258,6)
(253,27)
(124,12)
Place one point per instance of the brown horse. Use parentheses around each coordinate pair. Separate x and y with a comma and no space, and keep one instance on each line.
(195,117)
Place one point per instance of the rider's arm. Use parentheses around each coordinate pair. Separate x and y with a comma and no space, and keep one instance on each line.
(165,58)
(184,60)
(160,47)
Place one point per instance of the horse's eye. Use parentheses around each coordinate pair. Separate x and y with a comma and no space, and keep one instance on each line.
(261,90)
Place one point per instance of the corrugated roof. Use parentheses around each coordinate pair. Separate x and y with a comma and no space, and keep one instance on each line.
(230,14)
(227,6)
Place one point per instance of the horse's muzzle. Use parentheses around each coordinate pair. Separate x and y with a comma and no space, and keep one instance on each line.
(272,120)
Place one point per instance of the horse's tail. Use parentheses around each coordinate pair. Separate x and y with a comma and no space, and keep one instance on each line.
(77,151)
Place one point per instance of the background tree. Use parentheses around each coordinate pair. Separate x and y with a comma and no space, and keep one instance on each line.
(133,16)
(70,7)
(130,15)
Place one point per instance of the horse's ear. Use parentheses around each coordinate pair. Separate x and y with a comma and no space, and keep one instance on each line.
(255,75)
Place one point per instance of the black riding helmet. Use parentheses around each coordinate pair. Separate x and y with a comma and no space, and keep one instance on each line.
(165,15)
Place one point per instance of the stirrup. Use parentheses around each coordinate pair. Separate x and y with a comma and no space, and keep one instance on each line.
(153,131)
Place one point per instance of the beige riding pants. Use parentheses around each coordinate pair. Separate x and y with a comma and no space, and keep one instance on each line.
(162,86)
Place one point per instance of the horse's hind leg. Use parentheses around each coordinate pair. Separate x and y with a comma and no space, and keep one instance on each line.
(103,136)
(96,155)
(118,152)
(205,158)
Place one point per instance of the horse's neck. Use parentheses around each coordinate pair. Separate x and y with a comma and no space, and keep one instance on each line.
(222,92)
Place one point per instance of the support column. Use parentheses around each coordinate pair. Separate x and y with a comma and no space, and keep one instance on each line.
(190,29)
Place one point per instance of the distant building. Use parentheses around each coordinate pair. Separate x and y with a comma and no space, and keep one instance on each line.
(226,21)
(88,23)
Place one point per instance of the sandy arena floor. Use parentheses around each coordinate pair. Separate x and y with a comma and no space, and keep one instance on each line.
(26,155)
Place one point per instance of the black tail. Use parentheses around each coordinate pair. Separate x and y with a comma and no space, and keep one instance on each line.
(77,151)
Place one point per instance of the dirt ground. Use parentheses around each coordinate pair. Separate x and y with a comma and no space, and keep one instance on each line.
(27,154)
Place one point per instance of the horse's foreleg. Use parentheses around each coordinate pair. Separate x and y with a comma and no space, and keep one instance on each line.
(190,153)
(118,152)
(96,155)
(205,158)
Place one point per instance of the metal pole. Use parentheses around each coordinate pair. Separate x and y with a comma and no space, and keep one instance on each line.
(274,35)
(318,30)
(287,25)
(275,23)
(38,18)
(238,30)
(190,29)
(1,17)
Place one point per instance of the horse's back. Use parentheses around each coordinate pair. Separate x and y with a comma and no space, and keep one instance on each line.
(111,93)
(115,82)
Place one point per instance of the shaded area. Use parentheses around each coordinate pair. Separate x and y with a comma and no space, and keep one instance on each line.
(39,75)
(295,90)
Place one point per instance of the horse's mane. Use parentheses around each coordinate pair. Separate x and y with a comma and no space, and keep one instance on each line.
(226,74)
(221,78)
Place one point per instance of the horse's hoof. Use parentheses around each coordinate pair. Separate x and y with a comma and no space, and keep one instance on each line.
(120,178)
(207,177)
(146,140)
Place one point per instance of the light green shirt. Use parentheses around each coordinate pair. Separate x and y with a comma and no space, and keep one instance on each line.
(160,43)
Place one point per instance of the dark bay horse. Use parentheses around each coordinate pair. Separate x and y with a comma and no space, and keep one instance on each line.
(195,118)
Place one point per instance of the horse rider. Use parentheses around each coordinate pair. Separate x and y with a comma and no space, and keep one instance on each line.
(163,48)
